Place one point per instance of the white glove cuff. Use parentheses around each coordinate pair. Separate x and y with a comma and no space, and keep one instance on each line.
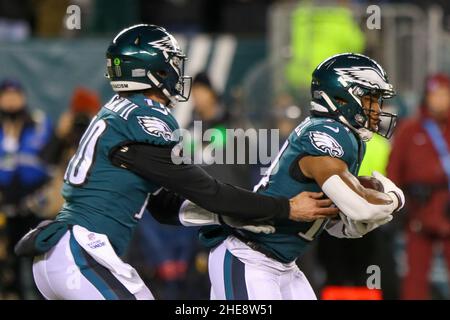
(395,200)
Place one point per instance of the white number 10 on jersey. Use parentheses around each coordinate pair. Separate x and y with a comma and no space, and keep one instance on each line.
(81,162)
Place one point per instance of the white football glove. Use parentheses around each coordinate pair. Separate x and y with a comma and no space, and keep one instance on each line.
(191,215)
(391,189)
(358,228)
(348,228)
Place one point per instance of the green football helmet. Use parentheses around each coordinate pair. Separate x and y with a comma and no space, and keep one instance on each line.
(147,56)
(339,83)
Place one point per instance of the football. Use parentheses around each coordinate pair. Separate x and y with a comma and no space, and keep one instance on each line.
(371,183)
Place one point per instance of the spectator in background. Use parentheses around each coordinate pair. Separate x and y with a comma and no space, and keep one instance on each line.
(24,141)
(317,33)
(419,163)
(84,105)
(209,110)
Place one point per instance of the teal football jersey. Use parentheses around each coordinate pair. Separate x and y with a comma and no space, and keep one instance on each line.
(315,136)
(104,198)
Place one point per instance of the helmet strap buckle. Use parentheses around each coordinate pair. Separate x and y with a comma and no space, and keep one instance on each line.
(360,119)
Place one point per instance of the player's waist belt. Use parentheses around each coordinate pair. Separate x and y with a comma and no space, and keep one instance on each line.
(252,244)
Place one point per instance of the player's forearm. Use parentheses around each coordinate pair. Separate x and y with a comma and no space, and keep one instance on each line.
(371,196)
(193,183)
(243,204)
(354,205)
(344,189)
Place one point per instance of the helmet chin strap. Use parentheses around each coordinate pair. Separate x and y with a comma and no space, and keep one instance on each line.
(172,100)
(364,133)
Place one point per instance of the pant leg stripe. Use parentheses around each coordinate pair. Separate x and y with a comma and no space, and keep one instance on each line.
(227,275)
(238,278)
(87,272)
(113,283)
(234,278)
(98,275)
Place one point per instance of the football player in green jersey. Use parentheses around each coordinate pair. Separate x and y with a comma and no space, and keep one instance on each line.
(323,153)
(77,254)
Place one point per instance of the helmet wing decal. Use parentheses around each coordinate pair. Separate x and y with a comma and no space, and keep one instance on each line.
(166,44)
(365,76)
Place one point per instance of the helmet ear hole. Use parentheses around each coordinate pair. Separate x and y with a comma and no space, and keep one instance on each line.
(162,73)
(316,94)
(340,101)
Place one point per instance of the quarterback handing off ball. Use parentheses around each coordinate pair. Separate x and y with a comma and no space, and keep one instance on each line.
(371,183)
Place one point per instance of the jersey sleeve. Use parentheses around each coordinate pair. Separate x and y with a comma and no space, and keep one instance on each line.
(150,126)
(332,140)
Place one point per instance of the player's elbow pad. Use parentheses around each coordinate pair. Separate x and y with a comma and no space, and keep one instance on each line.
(352,204)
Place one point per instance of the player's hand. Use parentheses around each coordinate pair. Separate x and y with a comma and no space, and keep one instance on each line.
(357,229)
(391,189)
(308,206)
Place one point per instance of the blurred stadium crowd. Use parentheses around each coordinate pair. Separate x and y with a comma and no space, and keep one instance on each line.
(39,134)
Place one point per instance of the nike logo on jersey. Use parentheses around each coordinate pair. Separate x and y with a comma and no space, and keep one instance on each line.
(333,129)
